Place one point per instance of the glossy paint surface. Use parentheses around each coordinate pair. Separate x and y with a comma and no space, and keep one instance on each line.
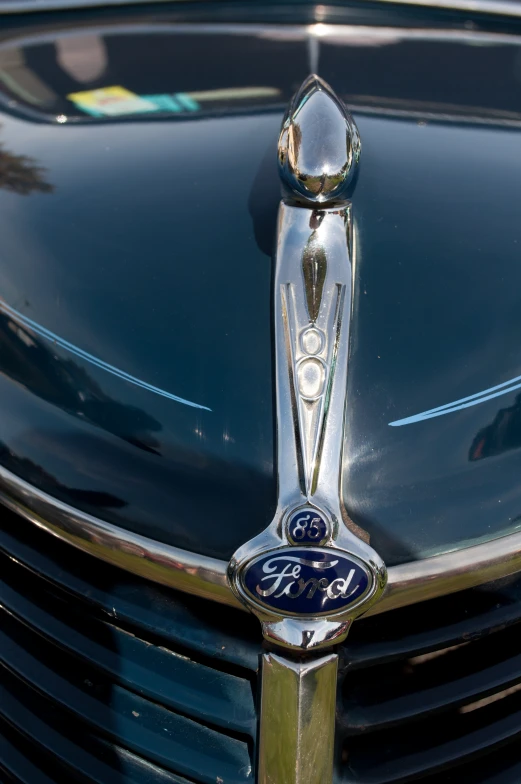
(137,248)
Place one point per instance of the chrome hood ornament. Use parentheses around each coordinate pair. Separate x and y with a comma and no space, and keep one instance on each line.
(319,145)
(307,576)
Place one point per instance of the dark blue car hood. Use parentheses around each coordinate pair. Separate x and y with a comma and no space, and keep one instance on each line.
(136,369)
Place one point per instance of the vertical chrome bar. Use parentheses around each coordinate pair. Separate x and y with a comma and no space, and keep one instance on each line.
(307,576)
(297,705)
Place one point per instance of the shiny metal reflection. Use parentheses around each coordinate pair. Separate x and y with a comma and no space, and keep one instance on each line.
(297,720)
(202,576)
(319,149)
(319,144)
(195,574)
(507,8)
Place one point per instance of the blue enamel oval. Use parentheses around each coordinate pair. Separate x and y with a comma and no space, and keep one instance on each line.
(306,581)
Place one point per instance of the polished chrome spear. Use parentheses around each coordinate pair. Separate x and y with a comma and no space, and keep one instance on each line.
(307,576)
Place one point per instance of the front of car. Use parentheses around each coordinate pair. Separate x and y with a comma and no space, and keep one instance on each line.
(247,372)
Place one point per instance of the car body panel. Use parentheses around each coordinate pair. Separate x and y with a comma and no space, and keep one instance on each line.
(135,271)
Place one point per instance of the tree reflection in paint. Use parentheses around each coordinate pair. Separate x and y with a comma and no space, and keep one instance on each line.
(503,434)
(21,174)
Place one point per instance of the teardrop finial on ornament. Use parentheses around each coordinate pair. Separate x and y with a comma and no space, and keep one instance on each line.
(319,145)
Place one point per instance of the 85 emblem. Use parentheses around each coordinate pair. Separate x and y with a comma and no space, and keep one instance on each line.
(307,526)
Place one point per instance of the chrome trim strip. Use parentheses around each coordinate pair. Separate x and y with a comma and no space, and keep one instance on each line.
(35,6)
(447,573)
(340,33)
(199,575)
(180,569)
(493,7)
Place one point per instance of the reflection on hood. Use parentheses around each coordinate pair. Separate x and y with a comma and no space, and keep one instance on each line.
(502,434)
(31,362)
(21,174)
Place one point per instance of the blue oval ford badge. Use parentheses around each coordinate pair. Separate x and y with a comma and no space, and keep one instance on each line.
(306,581)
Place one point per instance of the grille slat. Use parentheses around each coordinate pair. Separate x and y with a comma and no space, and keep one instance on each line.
(41,738)
(228,635)
(420,703)
(500,767)
(148,729)
(147,684)
(412,688)
(15,759)
(439,623)
(153,671)
(430,746)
